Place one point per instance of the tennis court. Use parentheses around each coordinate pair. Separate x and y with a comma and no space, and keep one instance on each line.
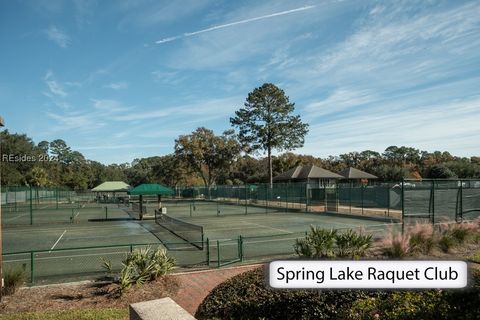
(55,252)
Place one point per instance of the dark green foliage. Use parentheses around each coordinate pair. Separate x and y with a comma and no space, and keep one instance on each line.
(246,297)
(206,154)
(459,233)
(266,122)
(323,243)
(13,278)
(399,305)
(421,244)
(350,244)
(140,266)
(465,304)
(440,171)
(428,304)
(446,242)
(318,243)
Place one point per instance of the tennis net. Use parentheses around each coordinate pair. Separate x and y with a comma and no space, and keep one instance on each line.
(189,232)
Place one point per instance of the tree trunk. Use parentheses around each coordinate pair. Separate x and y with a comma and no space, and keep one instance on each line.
(270,171)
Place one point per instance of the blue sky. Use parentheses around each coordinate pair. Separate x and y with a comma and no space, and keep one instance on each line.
(119,80)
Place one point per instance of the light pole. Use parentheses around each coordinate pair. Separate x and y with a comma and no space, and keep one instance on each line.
(2,124)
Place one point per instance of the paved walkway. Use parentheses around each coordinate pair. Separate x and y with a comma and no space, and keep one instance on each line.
(195,286)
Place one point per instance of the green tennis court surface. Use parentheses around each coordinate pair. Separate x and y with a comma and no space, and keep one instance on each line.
(74,250)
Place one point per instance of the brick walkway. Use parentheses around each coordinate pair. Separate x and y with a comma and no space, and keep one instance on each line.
(195,286)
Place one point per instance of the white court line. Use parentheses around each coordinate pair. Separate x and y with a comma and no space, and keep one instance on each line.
(226,228)
(29,230)
(64,231)
(19,216)
(70,256)
(271,240)
(264,226)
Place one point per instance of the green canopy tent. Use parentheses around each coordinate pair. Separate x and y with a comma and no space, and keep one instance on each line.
(150,189)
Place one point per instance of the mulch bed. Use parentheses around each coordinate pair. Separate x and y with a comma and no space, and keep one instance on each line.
(85,295)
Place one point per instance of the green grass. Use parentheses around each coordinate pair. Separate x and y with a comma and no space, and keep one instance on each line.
(476,257)
(76,314)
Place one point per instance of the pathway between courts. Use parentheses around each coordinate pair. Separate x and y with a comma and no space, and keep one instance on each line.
(195,286)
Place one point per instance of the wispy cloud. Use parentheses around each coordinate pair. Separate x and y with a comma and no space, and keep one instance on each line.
(128,146)
(54,87)
(231,24)
(338,101)
(110,106)
(58,36)
(118,85)
(198,111)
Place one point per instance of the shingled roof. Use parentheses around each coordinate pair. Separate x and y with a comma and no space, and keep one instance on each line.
(307,172)
(352,173)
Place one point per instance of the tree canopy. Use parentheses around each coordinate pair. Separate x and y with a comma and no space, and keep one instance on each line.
(267,123)
(207,154)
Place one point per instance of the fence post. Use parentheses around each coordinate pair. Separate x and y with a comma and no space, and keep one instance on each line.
(218,254)
(307,196)
(388,200)
(350,195)
(246,199)
(32,269)
(362,187)
(31,207)
(461,200)
(131,248)
(208,252)
(433,203)
(266,198)
(403,205)
(240,247)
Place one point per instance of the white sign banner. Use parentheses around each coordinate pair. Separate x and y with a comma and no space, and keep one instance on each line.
(385,274)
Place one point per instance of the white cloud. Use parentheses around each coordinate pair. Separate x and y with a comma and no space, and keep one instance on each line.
(127,146)
(54,87)
(231,24)
(199,111)
(109,106)
(118,85)
(340,100)
(425,126)
(58,36)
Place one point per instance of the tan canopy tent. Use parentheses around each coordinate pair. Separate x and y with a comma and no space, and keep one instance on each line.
(113,188)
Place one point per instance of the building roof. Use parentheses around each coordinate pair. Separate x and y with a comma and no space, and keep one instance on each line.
(307,172)
(112,186)
(352,173)
(151,189)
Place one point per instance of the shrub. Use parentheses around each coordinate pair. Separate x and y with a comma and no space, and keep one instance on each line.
(351,244)
(143,265)
(399,305)
(396,245)
(421,238)
(13,278)
(464,304)
(446,242)
(322,243)
(459,233)
(246,297)
(317,244)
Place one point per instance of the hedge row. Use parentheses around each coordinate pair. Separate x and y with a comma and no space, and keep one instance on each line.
(246,296)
